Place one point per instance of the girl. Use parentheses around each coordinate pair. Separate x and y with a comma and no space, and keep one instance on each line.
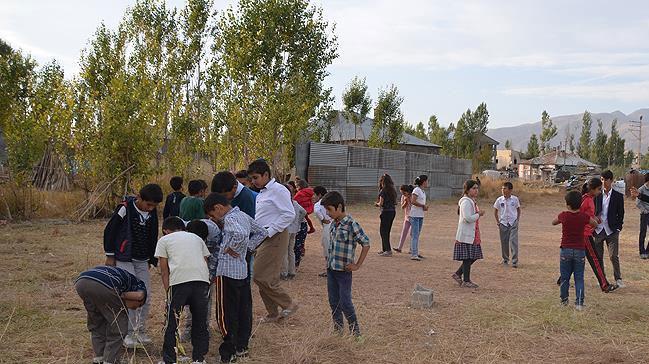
(386,201)
(406,191)
(418,202)
(467,239)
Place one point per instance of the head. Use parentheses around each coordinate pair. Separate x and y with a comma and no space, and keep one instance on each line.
(176,183)
(422,181)
(172,224)
(607,179)
(225,183)
(573,200)
(199,228)
(292,183)
(216,206)
(149,197)
(507,189)
(290,189)
(195,188)
(594,187)
(334,203)
(204,188)
(301,184)
(259,171)
(318,193)
(406,190)
(243,178)
(471,188)
(387,186)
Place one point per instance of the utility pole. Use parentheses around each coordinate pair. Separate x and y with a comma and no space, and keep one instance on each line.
(636,131)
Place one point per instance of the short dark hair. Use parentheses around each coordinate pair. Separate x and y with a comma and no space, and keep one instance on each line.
(176,183)
(508,185)
(213,199)
(242,174)
(194,187)
(173,223)
(421,179)
(151,193)
(573,200)
(333,198)
(260,166)
(607,174)
(199,228)
(223,181)
(203,184)
(407,188)
(319,190)
(302,183)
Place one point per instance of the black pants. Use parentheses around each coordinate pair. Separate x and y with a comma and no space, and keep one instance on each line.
(233,312)
(387,217)
(195,295)
(644,221)
(465,269)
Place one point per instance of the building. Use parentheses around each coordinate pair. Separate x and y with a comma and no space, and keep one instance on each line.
(486,142)
(345,132)
(544,167)
(508,159)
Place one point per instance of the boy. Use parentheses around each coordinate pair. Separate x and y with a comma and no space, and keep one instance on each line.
(346,233)
(185,277)
(244,178)
(642,202)
(105,291)
(609,207)
(573,247)
(507,211)
(274,211)
(172,204)
(130,239)
(288,269)
(325,220)
(239,195)
(191,208)
(240,234)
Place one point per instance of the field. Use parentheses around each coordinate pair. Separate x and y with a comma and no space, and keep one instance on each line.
(514,316)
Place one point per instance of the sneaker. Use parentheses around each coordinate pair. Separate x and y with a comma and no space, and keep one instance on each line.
(505,263)
(386,254)
(564,302)
(323,274)
(644,256)
(515,265)
(421,256)
(469,285)
(232,359)
(242,353)
(415,257)
(457,278)
(144,338)
(131,343)
(611,288)
(397,250)
(620,284)
(288,312)
(290,276)
(98,360)
(199,362)
(579,307)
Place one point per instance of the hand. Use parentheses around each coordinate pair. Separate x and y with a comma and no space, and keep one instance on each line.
(352,267)
(231,252)
(425,208)
(110,261)
(311,231)
(481,212)
(634,192)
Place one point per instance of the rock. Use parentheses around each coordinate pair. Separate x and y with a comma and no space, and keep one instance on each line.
(422,297)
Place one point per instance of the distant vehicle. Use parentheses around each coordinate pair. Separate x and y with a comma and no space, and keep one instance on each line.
(560,175)
(493,174)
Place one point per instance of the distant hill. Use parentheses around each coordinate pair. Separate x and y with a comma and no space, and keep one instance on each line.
(520,135)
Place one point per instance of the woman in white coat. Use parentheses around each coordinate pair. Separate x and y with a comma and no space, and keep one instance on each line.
(467,239)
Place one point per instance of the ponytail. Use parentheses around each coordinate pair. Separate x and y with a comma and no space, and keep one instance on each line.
(420,180)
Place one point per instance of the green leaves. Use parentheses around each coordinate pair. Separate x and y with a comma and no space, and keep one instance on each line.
(388,126)
(548,132)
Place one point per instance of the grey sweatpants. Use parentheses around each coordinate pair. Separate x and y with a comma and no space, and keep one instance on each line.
(107,318)
(137,318)
(509,240)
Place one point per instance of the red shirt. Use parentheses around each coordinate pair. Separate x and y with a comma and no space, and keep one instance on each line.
(572,229)
(303,198)
(587,207)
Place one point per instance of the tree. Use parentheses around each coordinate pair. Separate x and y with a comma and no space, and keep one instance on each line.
(532,147)
(598,152)
(629,157)
(508,144)
(548,131)
(583,149)
(469,129)
(418,130)
(441,136)
(388,126)
(357,103)
(615,147)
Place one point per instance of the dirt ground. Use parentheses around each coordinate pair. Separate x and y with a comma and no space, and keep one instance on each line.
(513,317)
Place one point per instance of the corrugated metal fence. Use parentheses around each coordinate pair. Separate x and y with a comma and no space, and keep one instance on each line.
(355,171)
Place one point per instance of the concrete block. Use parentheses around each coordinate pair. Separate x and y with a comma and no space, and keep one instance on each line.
(422,297)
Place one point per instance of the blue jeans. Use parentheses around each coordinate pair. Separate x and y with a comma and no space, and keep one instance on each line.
(572,262)
(416,224)
(339,288)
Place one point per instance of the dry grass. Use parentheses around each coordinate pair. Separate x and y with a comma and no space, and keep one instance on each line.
(513,317)
(491,188)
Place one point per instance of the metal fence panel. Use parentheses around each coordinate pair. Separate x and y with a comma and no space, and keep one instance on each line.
(363,157)
(461,166)
(321,154)
(440,163)
(419,161)
(439,193)
(411,175)
(328,176)
(392,159)
(438,179)
(362,194)
(398,176)
(358,177)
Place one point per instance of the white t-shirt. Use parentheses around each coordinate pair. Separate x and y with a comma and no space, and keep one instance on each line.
(416,211)
(507,209)
(186,253)
(321,212)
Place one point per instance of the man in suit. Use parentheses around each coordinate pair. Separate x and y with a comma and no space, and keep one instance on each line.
(609,207)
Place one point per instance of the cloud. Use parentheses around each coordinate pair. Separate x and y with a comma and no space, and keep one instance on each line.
(627,92)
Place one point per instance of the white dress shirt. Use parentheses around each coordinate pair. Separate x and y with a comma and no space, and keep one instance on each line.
(321,213)
(240,187)
(606,199)
(274,210)
(507,209)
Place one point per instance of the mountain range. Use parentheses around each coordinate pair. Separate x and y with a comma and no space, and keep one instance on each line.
(520,134)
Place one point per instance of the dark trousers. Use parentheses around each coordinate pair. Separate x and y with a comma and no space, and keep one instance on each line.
(465,269)
(339,289)
(300,238)
(107,318)
(612,245)
(233,313)
(596,263)
(387,217)
(644,221)
(195,295)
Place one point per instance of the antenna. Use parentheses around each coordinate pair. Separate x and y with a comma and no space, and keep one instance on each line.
(636,131)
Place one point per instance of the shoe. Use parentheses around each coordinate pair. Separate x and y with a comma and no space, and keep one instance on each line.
(144,338)
(199,362)
(380,253)
(242,353)
(469,285)
(644,256)
(386,254)
(457,278)
(620,284)
(415,257)
(290,276)
(131,343)
(515,265)
(288,312)
(564,302)
(397,250)
(579,307)
(232,359)
(98,360)
(505,263)
(611,288)
(421,256)
(323,274)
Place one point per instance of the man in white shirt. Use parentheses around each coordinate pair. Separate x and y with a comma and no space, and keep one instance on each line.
(507,211)
(274,211)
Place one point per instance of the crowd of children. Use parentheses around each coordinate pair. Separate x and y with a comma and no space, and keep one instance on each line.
(251,228)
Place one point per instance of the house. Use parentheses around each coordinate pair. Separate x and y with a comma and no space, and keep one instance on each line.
(543,167)
(508,159)
(486,142)
(345,132)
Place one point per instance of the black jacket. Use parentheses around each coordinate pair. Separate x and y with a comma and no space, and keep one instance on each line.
(118,236)
(172,205)
(615,209)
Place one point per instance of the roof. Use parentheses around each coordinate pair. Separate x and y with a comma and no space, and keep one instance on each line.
(560,158)
(344,130)
(483,139)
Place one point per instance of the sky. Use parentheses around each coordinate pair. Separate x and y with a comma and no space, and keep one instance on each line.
(520,57)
